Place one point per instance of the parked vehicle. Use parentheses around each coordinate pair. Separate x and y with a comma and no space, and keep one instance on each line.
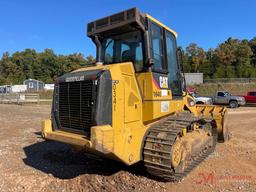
(5,89)
(202,100)
(225,98)
(250,97)
(18,88)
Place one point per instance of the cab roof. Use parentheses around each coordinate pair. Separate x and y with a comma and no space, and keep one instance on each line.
(161,24)
(121,20)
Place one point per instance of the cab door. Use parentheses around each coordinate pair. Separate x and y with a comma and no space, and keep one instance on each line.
(164,53)
(174,72)
(221,98)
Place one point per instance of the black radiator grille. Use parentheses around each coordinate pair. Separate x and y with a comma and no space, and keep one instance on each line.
(76,105)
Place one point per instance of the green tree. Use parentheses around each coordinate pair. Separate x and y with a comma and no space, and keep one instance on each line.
(89,61)
(25,61)
(243,62)
(45,66)
(195,57)
(252,44)
(48,66)
(233,59)
(208,67)
(10,72)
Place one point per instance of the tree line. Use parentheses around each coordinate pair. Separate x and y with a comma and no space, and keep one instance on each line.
(233,58)
(45,66)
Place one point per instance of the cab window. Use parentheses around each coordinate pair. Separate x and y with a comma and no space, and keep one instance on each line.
(139,57)
(157,47)
(173,70)
(124,48)
(109,49)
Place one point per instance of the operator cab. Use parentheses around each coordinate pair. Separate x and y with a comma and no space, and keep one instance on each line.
(141,39)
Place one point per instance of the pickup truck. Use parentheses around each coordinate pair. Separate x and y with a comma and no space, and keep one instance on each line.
(202,99)
(250,97)
(225,98)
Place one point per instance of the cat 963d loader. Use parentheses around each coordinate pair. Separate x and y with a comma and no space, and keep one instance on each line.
(131,106)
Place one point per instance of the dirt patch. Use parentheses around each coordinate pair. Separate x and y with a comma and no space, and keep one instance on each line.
(27,163)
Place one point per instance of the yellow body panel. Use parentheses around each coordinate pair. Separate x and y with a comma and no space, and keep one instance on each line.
(157,102)
(62,136)
(102,138)
(134,108)
(123,140)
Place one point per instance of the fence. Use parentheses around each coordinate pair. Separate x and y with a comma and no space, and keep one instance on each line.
(19,98)
(231,80)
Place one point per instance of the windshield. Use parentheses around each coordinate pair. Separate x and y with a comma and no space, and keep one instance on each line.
(122,48)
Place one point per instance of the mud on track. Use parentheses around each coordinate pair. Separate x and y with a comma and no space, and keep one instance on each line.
(27,163)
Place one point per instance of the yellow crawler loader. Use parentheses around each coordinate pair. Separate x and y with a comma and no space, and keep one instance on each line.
(131,106)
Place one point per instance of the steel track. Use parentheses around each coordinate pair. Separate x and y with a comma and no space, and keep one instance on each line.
(157,150)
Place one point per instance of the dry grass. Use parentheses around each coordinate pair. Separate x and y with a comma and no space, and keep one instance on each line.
(234,88)
(46,94)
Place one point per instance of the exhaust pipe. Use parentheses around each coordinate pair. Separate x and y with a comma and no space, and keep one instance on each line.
(99,48)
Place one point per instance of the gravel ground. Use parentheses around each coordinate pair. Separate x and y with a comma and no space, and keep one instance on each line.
(27,163)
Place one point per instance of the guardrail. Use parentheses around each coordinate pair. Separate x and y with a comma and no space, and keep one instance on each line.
(19,98)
